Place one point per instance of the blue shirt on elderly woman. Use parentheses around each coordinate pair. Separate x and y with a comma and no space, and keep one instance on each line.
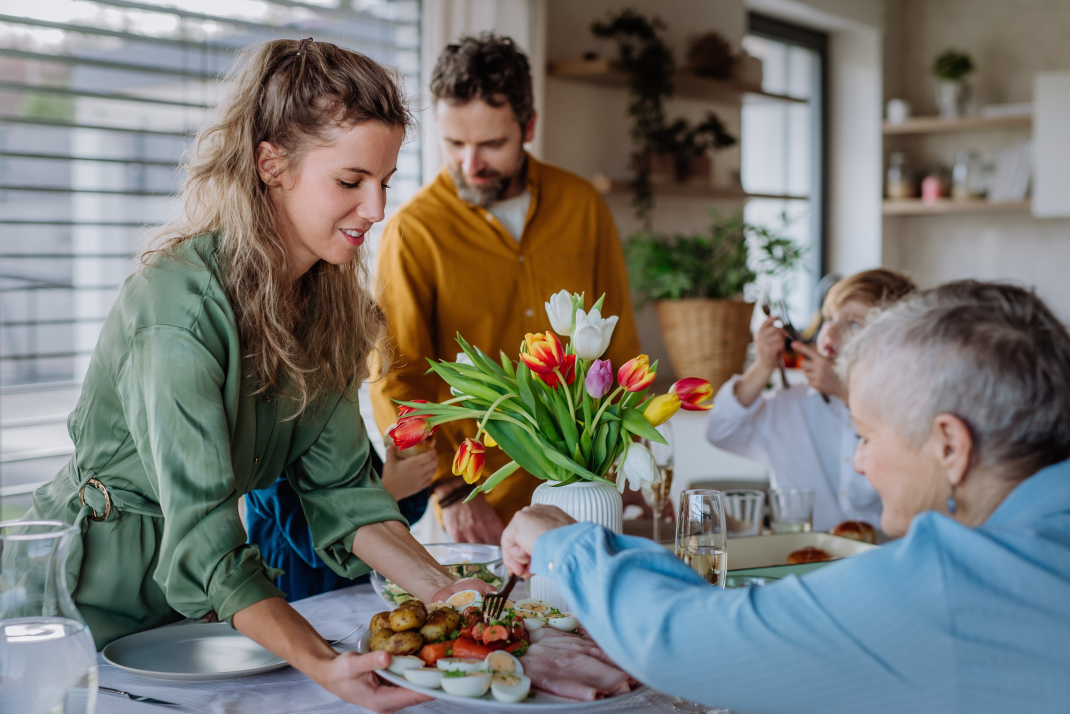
(947,619)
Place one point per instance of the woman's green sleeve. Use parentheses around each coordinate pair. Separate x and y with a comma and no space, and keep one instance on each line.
(339,488)
(171,386)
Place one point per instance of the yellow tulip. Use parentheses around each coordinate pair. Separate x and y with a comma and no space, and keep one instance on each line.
(489,441)
(660,409)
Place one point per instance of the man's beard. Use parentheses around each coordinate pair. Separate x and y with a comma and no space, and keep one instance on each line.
(483,195)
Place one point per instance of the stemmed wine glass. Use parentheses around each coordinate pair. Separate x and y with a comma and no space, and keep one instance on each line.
(702,543)
(657,495)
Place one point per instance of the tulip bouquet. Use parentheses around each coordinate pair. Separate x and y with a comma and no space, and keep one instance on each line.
(555,412)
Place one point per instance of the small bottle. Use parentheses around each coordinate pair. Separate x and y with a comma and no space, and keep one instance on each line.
(900,182)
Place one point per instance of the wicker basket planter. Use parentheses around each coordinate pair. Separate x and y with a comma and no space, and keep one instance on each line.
(706,338)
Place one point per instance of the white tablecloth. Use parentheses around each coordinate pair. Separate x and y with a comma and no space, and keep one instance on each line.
(287,691)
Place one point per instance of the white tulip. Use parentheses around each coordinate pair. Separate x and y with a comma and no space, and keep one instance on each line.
(593,333)
(461,358)
(638,468)
(559,310)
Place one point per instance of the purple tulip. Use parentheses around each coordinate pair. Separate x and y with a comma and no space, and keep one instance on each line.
(599,378)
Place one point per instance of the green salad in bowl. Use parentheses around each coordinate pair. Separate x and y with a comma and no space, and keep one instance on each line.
(463,560)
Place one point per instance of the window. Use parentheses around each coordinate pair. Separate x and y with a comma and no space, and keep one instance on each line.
(783,149)
(98,101)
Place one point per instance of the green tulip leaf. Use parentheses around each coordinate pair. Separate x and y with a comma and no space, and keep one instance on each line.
(496,478)
(636,423)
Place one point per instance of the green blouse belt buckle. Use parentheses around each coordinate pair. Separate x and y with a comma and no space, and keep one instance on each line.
(107,499)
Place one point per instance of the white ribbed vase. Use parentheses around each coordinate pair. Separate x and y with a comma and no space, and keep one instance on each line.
(585,501)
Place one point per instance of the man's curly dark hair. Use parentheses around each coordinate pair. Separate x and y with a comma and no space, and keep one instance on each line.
(487,67)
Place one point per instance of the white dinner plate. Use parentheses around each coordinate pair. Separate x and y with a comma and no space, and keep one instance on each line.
(192,652)
(541,701)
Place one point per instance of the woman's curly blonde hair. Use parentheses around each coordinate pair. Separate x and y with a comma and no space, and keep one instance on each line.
(315,335)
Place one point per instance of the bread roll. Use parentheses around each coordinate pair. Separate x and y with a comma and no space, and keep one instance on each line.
(809,554)
(856,530)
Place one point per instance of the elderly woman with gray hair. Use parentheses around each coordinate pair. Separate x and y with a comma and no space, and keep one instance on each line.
(961,396)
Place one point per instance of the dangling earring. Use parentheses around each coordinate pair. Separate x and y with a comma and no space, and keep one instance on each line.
(951,505)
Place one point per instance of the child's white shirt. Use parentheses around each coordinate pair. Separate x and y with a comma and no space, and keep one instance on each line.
(805,442)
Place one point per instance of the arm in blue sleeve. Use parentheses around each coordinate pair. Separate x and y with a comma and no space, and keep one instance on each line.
(865,634)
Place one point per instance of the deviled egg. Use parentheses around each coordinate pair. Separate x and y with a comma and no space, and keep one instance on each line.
(460,664)
(400,663)
(465,598)
(425,677)
(564,621)
(532,623)
(537,608)
(468,685)
(504,662)
(510,688)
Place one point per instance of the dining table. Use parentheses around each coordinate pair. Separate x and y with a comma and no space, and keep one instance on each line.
(287,691)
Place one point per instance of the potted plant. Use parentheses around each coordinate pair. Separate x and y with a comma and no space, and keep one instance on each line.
(952,92)
(663,150)
(687,148)
(697,284)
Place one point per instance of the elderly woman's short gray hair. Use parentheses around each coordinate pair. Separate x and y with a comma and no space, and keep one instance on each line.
(993,355)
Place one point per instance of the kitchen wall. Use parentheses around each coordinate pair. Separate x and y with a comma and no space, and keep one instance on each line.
(585,127)
(1010,42)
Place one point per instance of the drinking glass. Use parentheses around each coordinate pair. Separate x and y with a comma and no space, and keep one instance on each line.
(48,663)
(657,495)
(744,510)
(701,542)
(791,510)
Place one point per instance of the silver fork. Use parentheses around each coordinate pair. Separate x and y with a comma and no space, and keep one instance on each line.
(357,629)
(494,604)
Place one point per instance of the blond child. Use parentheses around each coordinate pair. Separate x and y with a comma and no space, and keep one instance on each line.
(803,432)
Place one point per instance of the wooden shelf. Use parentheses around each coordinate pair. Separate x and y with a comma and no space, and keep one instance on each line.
(936,125)
(622,187)
(946,206)
(687,84)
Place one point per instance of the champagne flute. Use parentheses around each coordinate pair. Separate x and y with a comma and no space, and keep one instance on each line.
(657,495)
(702,543)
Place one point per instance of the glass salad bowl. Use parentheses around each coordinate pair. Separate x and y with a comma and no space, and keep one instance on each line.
(463,560)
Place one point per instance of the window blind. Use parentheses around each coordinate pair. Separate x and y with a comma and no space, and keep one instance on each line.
(98,101)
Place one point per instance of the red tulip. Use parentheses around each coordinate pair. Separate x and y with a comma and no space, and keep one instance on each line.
(692,392)
(468,463)
(544,352)
(410,430)
(636,375)
(568,370)
(404,411)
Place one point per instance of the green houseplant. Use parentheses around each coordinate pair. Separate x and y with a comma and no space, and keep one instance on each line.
(697,283)
(952,91)
(650,64)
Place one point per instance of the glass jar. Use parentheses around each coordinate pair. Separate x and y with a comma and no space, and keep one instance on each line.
(48,662)
(900,180)
(964,176)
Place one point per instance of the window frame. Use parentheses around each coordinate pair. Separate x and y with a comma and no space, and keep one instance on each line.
(791,34)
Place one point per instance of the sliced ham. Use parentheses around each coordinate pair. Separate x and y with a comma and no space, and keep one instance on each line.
(544,633)
(573,667)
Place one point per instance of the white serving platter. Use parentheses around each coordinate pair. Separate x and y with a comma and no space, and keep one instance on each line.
(191,652)
(540,702)
(770,550)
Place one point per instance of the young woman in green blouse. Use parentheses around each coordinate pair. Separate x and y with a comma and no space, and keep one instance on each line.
(234,355)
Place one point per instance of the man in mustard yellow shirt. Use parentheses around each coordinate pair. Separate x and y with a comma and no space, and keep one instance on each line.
(479,251)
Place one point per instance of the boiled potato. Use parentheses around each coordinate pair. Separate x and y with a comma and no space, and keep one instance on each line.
(415,605)
(380,638)
(440,624)
(380,621)
(407,618)
(404,643)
